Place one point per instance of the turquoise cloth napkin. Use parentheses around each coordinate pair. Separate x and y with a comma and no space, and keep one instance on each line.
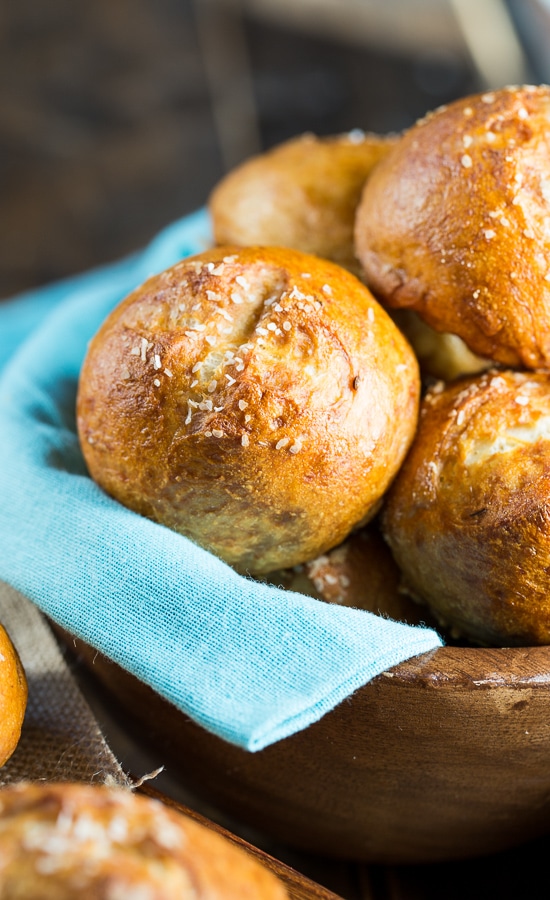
(249,662)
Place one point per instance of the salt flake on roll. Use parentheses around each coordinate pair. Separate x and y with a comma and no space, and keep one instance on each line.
(257,400)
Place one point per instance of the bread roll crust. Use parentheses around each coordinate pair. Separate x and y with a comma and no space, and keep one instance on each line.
(13,696)
(468,515)
(257,400)
(65,841)
(453,223)
(302,194)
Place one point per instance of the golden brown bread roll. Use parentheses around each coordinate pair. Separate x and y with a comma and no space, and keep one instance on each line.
(65,841)
(13,696)
(468,516)
(301,194)
(257,400)
(453,223)
(361,572)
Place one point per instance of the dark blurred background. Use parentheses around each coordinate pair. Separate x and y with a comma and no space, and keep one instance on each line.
(119,116)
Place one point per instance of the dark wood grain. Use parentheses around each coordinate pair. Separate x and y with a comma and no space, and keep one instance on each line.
(445,757)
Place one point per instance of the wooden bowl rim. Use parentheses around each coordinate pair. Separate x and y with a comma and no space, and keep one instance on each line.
(492,667)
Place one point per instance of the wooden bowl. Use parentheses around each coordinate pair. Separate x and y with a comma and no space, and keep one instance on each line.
(443,757)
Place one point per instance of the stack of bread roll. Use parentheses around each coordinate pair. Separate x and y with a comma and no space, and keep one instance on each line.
(363,351)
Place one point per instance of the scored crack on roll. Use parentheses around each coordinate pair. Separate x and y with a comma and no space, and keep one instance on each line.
(256,400)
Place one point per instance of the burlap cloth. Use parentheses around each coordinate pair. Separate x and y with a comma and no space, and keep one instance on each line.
(60,740)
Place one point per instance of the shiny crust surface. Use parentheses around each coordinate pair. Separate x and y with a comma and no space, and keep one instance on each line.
(301,194)
(65,840)
(257,400)
(453,223)
(468,517)
(13,696)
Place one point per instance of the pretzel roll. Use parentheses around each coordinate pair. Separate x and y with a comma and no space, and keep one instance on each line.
(257,400)
(453,223)
(301,194)
(68,840)
(13,696)
(468,517)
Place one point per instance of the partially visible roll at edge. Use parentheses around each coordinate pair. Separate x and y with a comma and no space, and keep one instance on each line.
(13,696)
(69,840)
